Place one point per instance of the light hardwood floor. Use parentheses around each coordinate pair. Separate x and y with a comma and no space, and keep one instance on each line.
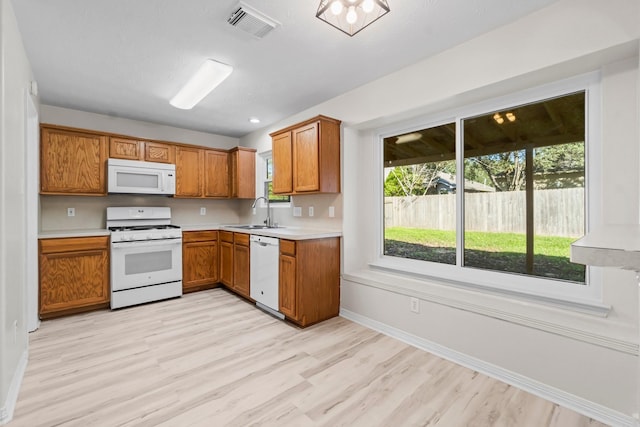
(211,359)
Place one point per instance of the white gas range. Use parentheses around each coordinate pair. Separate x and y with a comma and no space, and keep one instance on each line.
(146,255)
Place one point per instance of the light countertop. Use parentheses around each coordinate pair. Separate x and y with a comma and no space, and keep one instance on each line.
(609,246)
(59,234)
(291,233)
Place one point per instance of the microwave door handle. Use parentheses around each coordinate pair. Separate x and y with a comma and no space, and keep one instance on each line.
(163,176)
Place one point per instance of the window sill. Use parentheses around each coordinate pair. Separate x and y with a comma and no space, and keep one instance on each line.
(557,317)
(402,269)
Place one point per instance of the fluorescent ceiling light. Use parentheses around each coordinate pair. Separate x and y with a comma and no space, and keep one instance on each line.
(210,75)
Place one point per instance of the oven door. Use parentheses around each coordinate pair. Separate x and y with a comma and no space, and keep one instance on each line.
(144,263)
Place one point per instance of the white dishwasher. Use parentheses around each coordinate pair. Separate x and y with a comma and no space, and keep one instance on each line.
(265,254)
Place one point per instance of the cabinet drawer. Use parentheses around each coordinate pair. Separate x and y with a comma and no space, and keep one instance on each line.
(226,236)
(287,247)
(199,236)
(241,239)
(73,244)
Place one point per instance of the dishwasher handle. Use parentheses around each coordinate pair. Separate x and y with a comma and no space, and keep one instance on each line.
(264,241)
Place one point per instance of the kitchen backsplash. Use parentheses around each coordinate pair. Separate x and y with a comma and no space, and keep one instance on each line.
(90,212)
(321,204)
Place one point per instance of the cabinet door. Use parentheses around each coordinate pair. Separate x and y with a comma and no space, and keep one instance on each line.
(121,148)
(226,263)
(188,172)
(282,162)
(216,181)
(72,162)
(159,152)
(74,274)
(199,264)
(241,270)
(242,173)
(305,158)
(287,286)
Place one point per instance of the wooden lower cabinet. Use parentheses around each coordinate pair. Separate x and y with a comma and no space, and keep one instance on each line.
(235,262)
(226,258)
(309,285)
(241,265)
(199,260)
(74,275)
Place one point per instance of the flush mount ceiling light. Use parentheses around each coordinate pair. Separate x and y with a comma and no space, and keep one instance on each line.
(210,75)
(408,137)
(254,120)
(351,16)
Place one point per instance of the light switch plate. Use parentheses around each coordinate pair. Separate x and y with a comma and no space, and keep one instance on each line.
(203,211)
(297,211)
(310,210)
(332,212)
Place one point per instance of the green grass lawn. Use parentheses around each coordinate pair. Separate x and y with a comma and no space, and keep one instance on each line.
(491,242)
(492,251)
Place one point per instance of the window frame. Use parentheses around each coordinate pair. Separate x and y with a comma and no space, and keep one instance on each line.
(588,295)
(265,156)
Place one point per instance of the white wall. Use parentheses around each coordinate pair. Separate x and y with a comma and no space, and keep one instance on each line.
(15,79)
(584,361)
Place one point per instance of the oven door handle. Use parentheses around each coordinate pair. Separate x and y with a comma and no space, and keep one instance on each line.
(147,243)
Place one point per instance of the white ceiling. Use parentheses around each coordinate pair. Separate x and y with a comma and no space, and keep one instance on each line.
(127,58)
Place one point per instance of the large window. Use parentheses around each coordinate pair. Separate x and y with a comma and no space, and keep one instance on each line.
(502,190)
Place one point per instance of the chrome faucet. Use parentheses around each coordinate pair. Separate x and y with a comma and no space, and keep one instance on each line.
(268,222)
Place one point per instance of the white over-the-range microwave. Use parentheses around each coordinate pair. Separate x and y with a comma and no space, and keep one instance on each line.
(138,177)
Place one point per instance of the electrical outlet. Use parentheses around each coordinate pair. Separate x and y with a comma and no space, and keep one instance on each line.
(71,211)
(297,211)
(203,211)
(310,210)
(415,304)
(332,212)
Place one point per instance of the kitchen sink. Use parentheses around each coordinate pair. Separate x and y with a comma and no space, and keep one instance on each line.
(252,227)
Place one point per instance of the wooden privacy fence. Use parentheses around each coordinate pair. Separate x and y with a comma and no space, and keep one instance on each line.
(558,212)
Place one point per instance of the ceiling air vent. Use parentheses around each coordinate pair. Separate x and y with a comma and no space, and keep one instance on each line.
(251,21)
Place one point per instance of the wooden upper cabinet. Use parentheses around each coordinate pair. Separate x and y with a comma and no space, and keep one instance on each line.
(282,163)
(159,152)
(122,148)
(72,161)
(306,156)
(242,173)
(216,170)
(148,151)
(188,172)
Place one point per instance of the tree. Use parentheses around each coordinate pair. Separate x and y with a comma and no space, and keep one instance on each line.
(556,166)
(504,170)
(414,180)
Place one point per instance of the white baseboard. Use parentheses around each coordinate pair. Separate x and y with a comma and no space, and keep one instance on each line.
(568,400)
(8,406)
